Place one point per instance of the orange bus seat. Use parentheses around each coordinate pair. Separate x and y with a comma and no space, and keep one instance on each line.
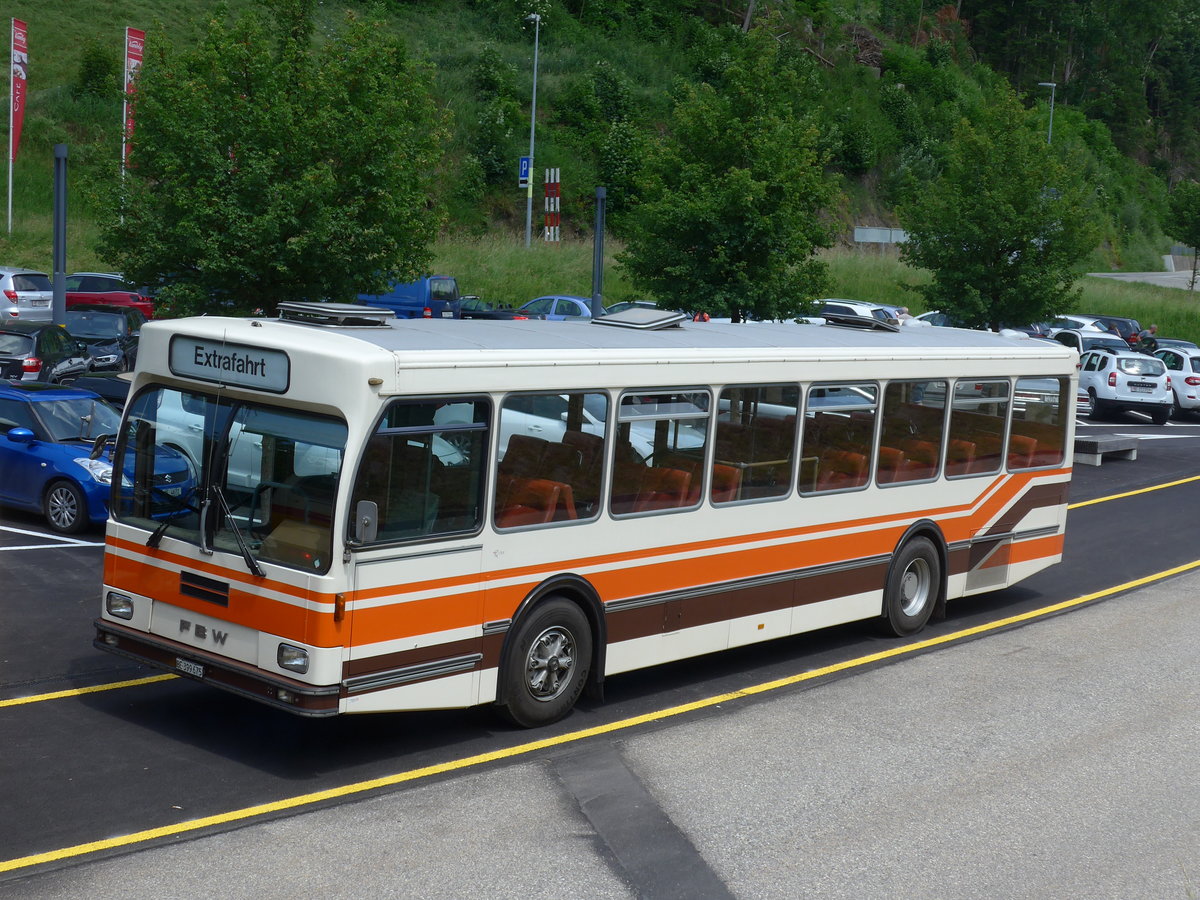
(533,501)
(959,456)
(842,469)
(726,483)
(662,489)
(890,461)
(1020,451)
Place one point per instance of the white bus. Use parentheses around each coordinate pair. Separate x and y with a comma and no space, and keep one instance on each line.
(401,515)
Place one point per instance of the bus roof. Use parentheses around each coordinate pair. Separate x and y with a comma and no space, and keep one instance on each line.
(442,338)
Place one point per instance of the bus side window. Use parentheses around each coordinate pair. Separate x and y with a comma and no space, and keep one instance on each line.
(659,458)
(423,467)
(755,442)
(839,434)
(551,458)
(978,417)
(910,442)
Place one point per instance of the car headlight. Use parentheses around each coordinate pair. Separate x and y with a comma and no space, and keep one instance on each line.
(106,360)
(292,658)
(100,470)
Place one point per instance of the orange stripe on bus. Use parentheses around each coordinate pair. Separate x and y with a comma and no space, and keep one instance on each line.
(618,576)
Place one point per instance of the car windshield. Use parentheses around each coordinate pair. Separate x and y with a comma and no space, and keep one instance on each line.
(77,418)
(268,476)
(15,344)
(1146,365)
(98,325)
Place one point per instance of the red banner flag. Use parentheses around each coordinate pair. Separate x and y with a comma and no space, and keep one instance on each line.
(20,72)
(135,42)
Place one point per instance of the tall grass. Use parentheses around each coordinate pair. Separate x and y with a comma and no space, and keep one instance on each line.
(499,268)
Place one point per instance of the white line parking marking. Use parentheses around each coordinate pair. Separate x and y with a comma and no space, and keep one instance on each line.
(70,542)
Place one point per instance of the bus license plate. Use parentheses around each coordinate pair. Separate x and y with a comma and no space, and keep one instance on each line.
(1141,387)
(187,667)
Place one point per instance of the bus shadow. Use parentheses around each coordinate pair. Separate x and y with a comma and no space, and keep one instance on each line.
(200,721)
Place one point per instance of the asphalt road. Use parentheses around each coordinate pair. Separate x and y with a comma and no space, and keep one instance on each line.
(1050,755)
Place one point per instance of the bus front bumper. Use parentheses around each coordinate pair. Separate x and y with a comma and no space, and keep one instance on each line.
(189,662)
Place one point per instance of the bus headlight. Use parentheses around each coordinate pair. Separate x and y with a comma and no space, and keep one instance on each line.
(294,659)
(119,605)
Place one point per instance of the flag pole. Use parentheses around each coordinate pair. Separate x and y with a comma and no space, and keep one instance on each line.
(12,37)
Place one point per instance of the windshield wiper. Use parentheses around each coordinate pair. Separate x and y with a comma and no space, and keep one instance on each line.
(181,507)
(251,562)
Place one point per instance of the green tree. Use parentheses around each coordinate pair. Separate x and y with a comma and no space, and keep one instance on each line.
(266,167)
(731,218)
(1183,220)
(1003,225)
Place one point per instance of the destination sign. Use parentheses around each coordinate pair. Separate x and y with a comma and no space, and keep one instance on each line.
(226,363)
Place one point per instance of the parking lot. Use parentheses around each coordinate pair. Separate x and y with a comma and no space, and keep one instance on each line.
(1016,751)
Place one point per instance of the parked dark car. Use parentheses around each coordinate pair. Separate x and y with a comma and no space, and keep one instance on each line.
(472,307)
(107,288)
(112,386)
(110,332)
(1129,329)
(40,351)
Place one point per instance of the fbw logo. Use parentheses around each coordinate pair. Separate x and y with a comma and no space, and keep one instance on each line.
(202,632)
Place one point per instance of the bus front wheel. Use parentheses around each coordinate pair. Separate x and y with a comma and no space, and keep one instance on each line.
(549,664)
(912,587)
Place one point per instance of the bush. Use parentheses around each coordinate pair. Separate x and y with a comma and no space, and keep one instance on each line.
(99,72)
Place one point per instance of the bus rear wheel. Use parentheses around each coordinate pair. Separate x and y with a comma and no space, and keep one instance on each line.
(549,664)
(912,587)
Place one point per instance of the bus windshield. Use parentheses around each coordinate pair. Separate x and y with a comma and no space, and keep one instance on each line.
(266,477)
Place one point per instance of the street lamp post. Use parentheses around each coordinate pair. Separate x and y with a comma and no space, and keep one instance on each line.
(537,26)
(1052,85)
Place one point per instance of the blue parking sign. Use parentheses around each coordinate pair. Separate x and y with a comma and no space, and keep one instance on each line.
(523,171)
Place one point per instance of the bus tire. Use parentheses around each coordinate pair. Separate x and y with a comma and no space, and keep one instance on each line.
(914,582)
(549,664)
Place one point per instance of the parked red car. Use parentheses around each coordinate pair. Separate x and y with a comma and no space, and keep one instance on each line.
(106,288)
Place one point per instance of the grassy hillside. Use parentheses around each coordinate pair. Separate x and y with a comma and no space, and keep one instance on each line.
(886,108)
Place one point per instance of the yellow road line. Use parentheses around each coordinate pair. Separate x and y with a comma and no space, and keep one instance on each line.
(1122,496)
(78,692)
(349,790)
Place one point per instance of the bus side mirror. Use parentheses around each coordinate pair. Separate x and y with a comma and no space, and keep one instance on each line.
(366,521)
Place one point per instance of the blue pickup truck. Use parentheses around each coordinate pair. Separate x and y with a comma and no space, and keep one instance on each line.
(431,297)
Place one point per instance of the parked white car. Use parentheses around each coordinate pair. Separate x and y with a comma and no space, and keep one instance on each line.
(837,306)
(1183,366)
(1075,323)
(25,295)
(1119,380)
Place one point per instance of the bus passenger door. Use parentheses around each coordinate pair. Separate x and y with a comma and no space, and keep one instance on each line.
(415,638)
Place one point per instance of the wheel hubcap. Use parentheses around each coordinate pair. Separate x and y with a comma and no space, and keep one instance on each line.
(550,664)
(63,509)
(915,587)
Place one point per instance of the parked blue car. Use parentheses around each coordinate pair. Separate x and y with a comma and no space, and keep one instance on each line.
(46,463)
(558,307)
(431,297)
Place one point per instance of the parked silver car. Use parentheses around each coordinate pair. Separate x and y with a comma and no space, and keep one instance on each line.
(27,295)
